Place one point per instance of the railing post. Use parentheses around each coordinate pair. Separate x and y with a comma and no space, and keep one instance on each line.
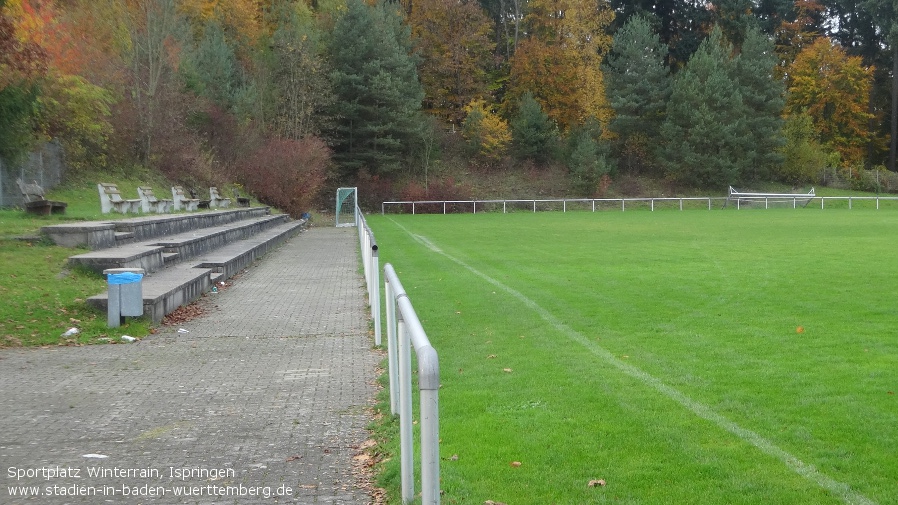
(406,438)
(392,343)
(374,296)
(405,327)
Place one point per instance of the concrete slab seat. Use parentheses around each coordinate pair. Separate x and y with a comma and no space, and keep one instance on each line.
(97,235)
(154,254)
(166,290)
(216,201)
(181,200)
(111,200)
(149,202)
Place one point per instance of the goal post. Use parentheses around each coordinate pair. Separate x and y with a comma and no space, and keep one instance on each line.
(347,201)
(741,198)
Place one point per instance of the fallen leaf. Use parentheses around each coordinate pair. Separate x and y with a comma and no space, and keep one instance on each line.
(293,458)
(491,356)
(515,464)
(596,483)
(800,329)
(506,370)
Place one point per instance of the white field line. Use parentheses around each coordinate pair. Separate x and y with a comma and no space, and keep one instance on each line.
(809,472)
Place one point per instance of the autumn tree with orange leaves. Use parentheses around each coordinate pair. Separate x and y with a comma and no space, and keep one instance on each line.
(560,62)
(453,41)
(834,89)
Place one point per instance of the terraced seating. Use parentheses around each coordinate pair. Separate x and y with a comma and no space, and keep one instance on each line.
(183,255)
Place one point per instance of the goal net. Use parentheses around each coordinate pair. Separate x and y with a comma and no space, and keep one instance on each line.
(767,200)
(347,201)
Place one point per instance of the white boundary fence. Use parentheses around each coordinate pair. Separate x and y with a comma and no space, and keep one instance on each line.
(596,204)
(404,332)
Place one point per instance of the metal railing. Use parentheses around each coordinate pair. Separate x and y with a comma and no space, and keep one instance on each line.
(404,331)
(595,204)
(371,267)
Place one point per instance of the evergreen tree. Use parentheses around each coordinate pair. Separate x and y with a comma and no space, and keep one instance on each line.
(587,156)
(764,98)
(706,137)
(534,136)
(210,68)
(378,95)
(638,87)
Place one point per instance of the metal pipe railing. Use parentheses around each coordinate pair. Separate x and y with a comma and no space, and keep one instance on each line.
(371,267)
(404,332)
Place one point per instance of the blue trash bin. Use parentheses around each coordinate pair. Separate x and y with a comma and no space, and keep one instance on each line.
(125,294)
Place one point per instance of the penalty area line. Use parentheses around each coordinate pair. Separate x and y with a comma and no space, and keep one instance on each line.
(809,472)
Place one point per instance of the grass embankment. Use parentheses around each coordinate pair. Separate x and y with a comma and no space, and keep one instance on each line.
(42,296)
(680,357)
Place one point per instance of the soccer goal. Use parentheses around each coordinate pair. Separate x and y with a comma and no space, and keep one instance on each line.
(347,201)
(743,198)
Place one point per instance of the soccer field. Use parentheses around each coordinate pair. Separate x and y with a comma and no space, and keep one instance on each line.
(677,357)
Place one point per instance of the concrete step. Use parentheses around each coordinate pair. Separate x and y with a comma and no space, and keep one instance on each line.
(167,289)
(154,254)
(97,235)
(232,258)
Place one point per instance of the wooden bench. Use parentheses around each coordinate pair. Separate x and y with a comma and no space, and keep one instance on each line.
(36,202)
(179,197)
(149,202)
(216,201)
(111,199)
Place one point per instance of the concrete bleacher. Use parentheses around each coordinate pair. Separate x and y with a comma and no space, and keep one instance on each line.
(183,255)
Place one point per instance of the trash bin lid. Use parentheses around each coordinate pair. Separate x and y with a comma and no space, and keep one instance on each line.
(125,278)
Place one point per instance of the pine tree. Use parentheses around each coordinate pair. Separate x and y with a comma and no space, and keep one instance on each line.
(764,98)
(706,137)
(638,88)
(587,157)
(534,135)
(378,95)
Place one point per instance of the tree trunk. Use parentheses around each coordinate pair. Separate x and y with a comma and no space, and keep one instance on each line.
(894,141)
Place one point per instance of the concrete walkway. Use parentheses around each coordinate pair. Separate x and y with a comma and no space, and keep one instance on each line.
(263,401)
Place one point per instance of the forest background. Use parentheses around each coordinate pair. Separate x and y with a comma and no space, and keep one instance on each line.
(416,99)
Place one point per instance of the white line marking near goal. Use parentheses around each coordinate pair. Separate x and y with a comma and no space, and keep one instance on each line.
(807,471)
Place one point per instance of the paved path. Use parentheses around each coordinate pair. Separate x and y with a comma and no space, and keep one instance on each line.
(268,391)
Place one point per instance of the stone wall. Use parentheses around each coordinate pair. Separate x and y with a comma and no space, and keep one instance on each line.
(46,166)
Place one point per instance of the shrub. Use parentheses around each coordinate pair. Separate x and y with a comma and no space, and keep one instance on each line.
(287,174)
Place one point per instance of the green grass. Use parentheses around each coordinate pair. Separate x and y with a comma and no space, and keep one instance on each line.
(634,338)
